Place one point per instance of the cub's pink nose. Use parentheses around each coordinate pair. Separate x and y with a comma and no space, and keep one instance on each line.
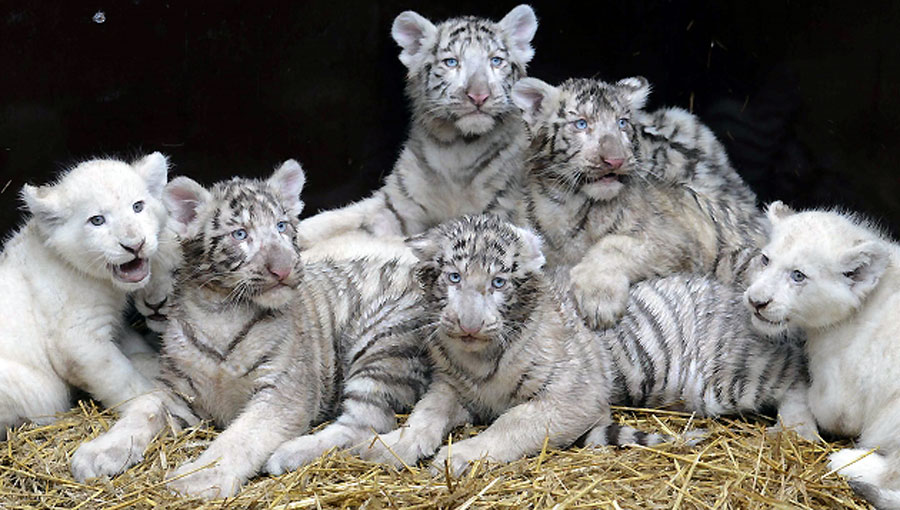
(279,272)
(134,249)
(614,163)
(470,329)
(478,99)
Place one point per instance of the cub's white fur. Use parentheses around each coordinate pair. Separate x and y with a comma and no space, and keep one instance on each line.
(64,279)
(464,152)
(837,278)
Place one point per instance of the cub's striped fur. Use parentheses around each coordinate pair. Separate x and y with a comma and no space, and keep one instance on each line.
(464,152)
(265,346)
(509,348)
(621,195)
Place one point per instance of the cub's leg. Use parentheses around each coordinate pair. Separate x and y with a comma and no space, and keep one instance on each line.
(27,394)
(518,432)
(123,445)
(272,417)
(438,412)
(355,425)
(794,414)
(370,215)
(92,361)
(601,280)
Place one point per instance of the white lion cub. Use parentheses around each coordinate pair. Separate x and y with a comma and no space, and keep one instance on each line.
(837,278)
(64,277)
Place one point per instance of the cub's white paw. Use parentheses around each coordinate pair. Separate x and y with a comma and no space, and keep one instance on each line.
(105,455)
(804,430)
(294,454)
(461,456)
(406,446)
(600,296)
(212,482)
(857,466)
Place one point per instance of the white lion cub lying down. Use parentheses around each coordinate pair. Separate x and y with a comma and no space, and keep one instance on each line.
(64,277)
(837,278)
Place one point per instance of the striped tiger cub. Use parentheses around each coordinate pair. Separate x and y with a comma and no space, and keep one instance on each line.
(466,141)
(265,346)
(509,350)
(620,195)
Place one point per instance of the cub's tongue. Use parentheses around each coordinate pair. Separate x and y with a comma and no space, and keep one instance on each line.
(132,272)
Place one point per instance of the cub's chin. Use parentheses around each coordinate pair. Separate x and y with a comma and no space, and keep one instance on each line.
(475,123)
(603,189)
(767,327)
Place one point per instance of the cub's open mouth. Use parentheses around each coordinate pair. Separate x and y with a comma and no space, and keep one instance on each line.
(760,318)
(596,175)
(132,272)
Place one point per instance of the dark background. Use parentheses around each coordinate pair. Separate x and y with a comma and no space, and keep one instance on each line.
(803,94)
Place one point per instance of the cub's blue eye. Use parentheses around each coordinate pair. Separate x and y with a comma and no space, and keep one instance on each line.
(97,220)
(239,234)
(451,62)
(138,206)
(623,123)
(764,260)
(580,124)
(498,282)
(797,276)
(281,226)
(454,277)
(496,61)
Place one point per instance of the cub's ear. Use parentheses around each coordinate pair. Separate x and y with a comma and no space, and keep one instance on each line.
(533,97)
(410,30)
(520,26)
(636,91)
(153,168)
(423,246)
(183,198)
(288,181)
(777,211)
(864,264)
(43,202)
(530,245)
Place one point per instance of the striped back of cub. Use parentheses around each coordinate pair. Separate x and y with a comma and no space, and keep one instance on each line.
(689,338)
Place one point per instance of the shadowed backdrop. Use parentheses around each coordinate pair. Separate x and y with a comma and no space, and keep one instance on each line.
(804,95)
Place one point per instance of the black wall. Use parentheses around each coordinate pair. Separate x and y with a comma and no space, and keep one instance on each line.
(803,94)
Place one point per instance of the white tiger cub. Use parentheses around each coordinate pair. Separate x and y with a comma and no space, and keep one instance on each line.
(509,350)
(265,345)
(837,277)
(64,279)
(620,195)
(464,152)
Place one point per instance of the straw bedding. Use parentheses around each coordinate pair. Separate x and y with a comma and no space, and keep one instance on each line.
(737,466)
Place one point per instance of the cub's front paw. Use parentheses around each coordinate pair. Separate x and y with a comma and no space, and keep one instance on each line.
(395,448)
(458,458)
(206,479)
(600,296)
(105,455)
(294,454)
(859,465)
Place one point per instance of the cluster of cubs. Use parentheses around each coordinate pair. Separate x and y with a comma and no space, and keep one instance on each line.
(537,254)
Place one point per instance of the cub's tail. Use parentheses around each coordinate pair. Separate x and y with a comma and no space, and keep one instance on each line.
(619,435)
